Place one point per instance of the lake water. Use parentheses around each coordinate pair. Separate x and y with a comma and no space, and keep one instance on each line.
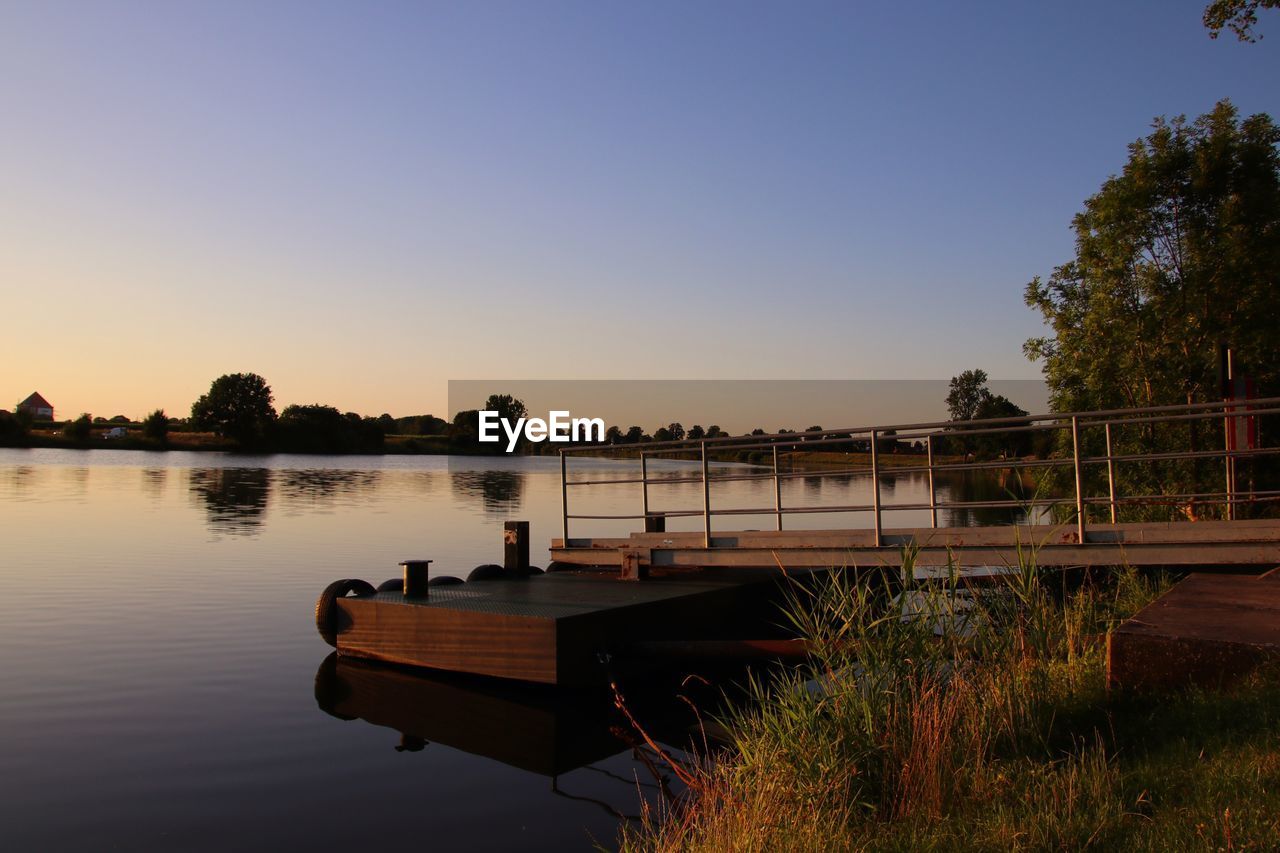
(164,685)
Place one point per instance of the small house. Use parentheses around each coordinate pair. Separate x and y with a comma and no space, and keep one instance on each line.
(38,407)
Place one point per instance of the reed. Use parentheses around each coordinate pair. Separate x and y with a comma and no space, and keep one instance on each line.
(944,717)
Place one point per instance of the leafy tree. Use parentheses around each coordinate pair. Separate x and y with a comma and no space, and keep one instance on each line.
(238,407)
(155,426)
(507,407)
(675,430)
(634,435)
(967,393)
(696,433)
(1178,253)
(1239,16)
(714,431)
(613,435)
(80,429)
(11,429)
(662,434)
(323,429)
(758,431)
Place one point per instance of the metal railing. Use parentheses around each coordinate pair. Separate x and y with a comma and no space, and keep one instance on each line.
(1230,412)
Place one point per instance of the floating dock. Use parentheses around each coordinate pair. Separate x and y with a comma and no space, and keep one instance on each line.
(566,627)
(1208,629)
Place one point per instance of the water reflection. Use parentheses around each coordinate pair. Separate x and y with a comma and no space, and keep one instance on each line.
(234,499)
(541,729)
(969,486)
(532,727)
(499,492)
(307,487)
(20,478)
(154,481)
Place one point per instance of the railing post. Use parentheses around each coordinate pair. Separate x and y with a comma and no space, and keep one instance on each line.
(1075,457)
(933,493)
(1226,457)
(777,488)
(644,488)
(1111,474)
(875,484)
(564,499)
(706,501)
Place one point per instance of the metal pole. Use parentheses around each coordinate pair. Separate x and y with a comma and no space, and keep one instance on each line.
(644,488)
(1226,456)
(706,501)
(1111,474)
(933,492)
(564,498)
(875,484)
(1075,457)
(777,488)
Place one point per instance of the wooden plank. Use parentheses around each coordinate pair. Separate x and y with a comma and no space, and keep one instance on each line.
(1253,542)
(1207,630)
(501,645)
(552,628)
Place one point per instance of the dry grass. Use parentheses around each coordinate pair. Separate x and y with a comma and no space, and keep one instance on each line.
(994,734)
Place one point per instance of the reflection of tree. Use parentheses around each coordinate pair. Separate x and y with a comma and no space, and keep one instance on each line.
(498,491)
(309,486)
(153,482)
(1002,485)
(234,499)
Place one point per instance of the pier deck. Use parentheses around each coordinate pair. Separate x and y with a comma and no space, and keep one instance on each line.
(1205,630)
(1204,543)
(555,628)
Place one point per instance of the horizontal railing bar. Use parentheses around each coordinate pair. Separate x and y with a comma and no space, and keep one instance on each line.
(1250,407)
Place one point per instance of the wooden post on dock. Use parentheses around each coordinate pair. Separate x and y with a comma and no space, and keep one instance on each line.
(515,548)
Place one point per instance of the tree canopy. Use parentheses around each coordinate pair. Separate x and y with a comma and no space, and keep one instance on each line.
(1177,254)
(1239,16)
(238,407)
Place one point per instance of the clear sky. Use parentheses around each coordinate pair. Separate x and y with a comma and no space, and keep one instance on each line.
(360,201)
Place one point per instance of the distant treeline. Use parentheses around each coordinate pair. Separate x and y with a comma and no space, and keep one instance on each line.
(238,413)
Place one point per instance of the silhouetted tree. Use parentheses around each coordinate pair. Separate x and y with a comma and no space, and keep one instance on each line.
(80,429)
(967,393)
(238,407)
(156,426)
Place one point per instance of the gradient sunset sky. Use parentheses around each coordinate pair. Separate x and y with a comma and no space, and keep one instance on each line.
(360,201)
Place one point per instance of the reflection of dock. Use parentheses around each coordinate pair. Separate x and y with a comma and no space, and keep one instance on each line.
(536,728)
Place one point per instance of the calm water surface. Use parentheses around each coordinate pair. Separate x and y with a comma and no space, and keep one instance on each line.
(161,663)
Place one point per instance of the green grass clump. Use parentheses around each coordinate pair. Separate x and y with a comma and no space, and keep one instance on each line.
(947,719)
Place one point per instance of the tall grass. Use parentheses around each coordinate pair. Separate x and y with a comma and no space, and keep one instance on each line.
(946,717)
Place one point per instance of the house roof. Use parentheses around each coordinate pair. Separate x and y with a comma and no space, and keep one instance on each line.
(35,401)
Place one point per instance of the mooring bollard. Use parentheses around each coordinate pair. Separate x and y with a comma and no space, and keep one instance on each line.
(416,575)
(515,548)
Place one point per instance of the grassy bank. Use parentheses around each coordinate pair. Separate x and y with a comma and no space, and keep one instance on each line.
(980,724)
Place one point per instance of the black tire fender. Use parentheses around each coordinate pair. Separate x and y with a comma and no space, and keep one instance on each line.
(326,606)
